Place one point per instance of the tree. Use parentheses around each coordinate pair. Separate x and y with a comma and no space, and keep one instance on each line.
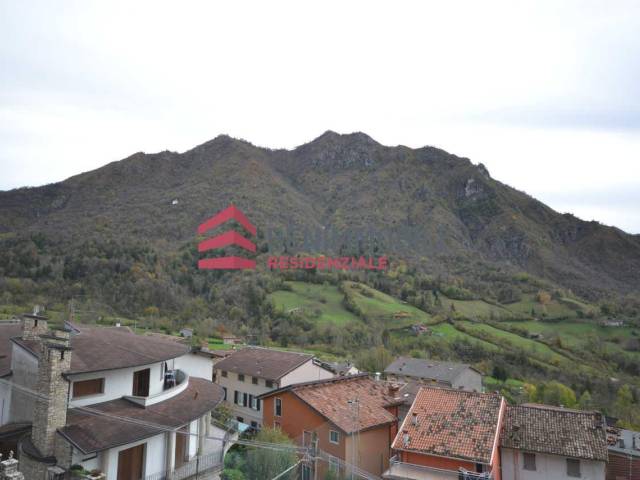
(543,297)
(585,401)
(625,408)
(556,393)
(266,463)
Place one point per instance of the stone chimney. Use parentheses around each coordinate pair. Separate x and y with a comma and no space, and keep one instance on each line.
(50,412)
(33,326)
(9,468)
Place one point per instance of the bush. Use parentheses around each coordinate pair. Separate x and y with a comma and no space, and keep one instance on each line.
(232,474)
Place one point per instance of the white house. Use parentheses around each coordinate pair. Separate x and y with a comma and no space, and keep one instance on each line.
(248,373)
(106,399)
(541,442)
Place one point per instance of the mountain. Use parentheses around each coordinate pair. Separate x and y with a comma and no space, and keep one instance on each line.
(434,209)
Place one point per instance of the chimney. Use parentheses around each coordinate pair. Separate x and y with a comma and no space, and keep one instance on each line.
(33,326)
(405,438)
(9,468)
(414,419)
(50,411)
(376,376)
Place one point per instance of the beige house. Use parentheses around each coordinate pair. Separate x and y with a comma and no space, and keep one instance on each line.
(254,371)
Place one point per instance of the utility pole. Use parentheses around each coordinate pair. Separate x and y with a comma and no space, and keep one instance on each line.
(314,455)
(355,406)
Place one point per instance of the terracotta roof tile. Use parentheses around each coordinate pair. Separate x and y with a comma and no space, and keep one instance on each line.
(331,399)
(452,423)
(557,431)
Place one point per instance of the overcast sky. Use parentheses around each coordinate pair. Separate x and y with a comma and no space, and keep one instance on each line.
(545,94)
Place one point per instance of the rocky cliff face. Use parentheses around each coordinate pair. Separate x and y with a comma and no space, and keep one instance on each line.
(446,210)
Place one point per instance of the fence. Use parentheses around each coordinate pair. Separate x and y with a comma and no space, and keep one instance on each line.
(193,469)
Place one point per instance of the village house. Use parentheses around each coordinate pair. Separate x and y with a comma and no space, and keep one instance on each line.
(544,442)
(252,371)
(107,400)
(449,434)
(624,454)
(435,373)
(352,420)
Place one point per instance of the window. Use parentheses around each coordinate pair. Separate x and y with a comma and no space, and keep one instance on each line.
(268,383)
(235,397)
(573,467)
(85,388)
(334,437)
(225,393)
(278,407)
(141,382)
(334,464)
(254,380)
(240,377)
(529,461)
(223,373)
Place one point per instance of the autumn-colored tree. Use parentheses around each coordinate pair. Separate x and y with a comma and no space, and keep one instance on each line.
(543,297)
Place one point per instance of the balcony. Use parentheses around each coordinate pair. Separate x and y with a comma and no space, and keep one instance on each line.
(408,471)
(181,383)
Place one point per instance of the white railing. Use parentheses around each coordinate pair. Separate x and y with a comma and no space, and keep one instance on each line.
(193,469)
(182,382)
(398,469)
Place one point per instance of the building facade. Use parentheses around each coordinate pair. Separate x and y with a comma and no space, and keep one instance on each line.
(449,434)
(350,420)
(544,442)
(110,401)
(248,373)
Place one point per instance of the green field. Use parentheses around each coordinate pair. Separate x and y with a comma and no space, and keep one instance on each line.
(531,347)
(323,302)
(474,308)
(375,304)
(564,308)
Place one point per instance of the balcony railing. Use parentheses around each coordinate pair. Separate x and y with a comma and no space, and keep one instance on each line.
(410,471)
(200,466)
(182,381)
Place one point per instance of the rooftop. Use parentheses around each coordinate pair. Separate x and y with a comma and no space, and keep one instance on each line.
(263,362)
(427,369)
(556,431)
(452,423)
(91,431)
(108,348)
(330,398)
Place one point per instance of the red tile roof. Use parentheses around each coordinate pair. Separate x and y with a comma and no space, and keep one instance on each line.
(452,423)
(330,398)
(555,430)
